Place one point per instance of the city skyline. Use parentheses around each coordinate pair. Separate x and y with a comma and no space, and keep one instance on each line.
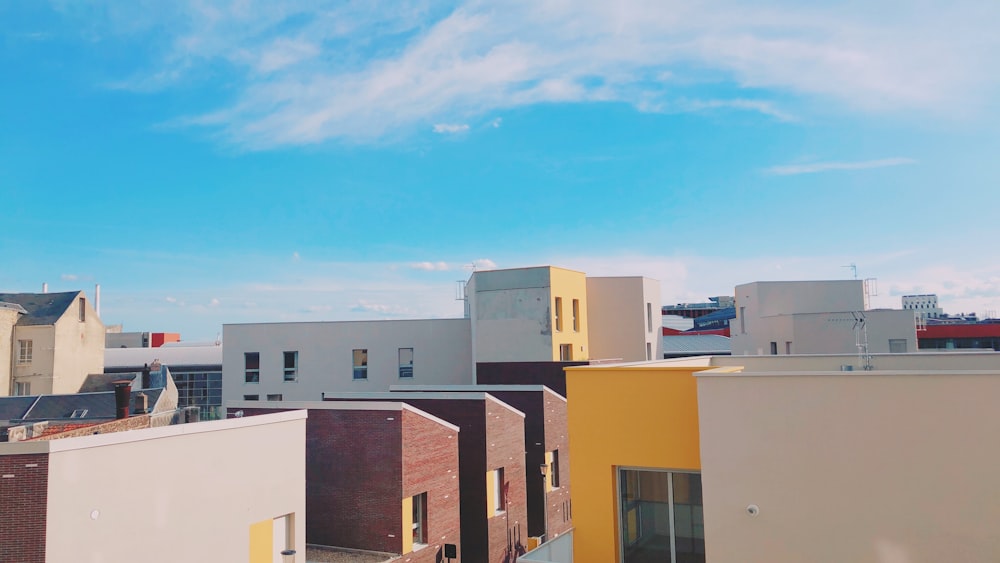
(209,163)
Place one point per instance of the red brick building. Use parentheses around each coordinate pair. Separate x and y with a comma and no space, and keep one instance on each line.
(547,445)
(380,476)
(494,512)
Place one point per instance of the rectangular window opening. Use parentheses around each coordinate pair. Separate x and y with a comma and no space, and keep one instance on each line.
(360,363)
(274,397)
(251,397)
(24,352)
(420,519)
(649,351)
(22,388)
(83,309)
(558,313)
(251,366)
(774,348)
(406,362)
(576,315)
(649,317)
(565,352)
(661,517)
(291,366)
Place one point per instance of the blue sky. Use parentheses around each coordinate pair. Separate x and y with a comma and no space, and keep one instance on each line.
(221,162)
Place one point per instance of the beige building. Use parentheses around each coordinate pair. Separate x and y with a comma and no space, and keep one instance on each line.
(56,340)
(625,318)
(145,495)
(816,317)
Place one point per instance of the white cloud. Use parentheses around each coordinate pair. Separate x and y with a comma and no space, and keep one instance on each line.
(214,302)
(451,128)
(431,266)
(793,169)
(68,277)
(313,71)
(483,264)
(496,123)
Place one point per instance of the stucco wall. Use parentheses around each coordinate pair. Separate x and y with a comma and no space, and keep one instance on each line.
(873,467)
(618,324)
(39,372)
(177,511)
(79,348)
(8,351)
(441,355)
(570,285)
(624,416)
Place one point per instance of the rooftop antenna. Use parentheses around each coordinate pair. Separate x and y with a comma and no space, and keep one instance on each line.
(854,269)
(861,339)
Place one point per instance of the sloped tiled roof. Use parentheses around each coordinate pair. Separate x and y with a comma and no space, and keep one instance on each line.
(97,405)
(13,408)
(42,308)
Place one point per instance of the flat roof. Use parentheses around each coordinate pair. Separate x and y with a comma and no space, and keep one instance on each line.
(395,396)
(470,388)
(140,435)
(272,323)
(339,406)
(169,356)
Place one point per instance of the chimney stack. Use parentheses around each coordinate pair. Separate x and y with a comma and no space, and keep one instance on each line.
(123,394)
(45,287)
(97,299)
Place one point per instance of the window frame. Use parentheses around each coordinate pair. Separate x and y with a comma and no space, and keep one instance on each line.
(359,372)
(25,352)
(565,352)
(419,509)
(22,388)
(251,375)
(405,368)
(290,374)
(576,315)
(558,314)
(620,506)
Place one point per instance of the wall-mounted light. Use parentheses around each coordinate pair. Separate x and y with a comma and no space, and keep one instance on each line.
(544,469)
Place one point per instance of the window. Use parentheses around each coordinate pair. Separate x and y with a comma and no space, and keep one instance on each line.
(576,315)
(661,516)
(251,363)
(251,397)
(788,347)
(565,352)
(83,309)
(743,324)
(420,518)
(774,348)
(360,356)
(649,351)
(291,366)
(22,388)
(78,413)
(274,397)
(496,492)
(24,352)
(406,362)
(649,317)
(552,470)
(559,316)
(897,345)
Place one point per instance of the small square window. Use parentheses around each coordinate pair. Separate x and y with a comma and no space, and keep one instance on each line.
(565,352)
(274,397)
(251,397)
(22,388)
(360,359)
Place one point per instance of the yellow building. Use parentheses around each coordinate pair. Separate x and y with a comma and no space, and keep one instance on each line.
(636,465)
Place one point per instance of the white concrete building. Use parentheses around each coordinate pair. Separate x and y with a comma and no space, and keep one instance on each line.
(925,306)
(625,318)
(816,317)
(299,361)
(227,490)
(49,342)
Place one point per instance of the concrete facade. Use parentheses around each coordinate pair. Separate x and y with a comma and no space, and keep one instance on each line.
(528,314)
(625,318)
(815,317)
(869,468)
(86,511)
(441,354)
(66,339)
(364,462)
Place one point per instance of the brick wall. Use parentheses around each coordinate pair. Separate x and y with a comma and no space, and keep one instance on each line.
(508,531)
(120,425)
(430,464)
(353,478)
(557,438)
(23,507)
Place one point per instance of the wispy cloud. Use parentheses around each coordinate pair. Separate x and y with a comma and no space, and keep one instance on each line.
(69,277)
(451,128)
(431,266)
(311,71)
(793,169)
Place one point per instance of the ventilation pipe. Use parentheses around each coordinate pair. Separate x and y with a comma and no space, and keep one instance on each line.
(97,299)
(45,287)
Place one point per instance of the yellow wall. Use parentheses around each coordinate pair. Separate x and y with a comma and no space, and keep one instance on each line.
(407,524)
(624,416)
(569,285)
(262,541)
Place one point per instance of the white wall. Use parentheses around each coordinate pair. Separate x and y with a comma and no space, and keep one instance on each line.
(79,348)
(441,348)
(867,468)
(616,309)
(200,488)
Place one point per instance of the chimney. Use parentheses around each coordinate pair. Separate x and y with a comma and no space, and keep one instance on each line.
(141,403)
(45,287)
(123,393)
(97,299)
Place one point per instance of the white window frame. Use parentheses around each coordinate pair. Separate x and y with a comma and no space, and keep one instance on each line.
(291,374)
(25,352)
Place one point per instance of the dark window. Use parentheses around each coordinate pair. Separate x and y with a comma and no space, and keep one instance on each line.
(251,361)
